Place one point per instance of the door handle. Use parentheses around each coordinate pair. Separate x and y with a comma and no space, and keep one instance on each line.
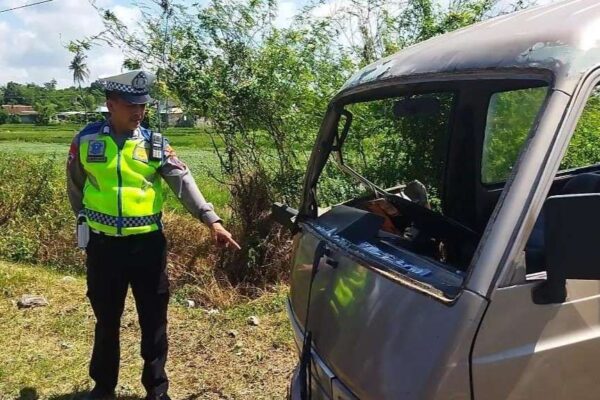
(331,262)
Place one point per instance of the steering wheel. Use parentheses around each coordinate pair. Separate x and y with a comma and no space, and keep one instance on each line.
(434,223)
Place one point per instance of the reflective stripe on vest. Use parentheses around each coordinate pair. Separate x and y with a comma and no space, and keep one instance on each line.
(122,193)
(127,222)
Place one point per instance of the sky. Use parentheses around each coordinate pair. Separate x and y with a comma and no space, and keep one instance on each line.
(33,39)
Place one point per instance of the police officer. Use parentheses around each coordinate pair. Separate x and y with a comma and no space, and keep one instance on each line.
(114,172)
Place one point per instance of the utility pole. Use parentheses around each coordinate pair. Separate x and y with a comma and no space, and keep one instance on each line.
(166,6)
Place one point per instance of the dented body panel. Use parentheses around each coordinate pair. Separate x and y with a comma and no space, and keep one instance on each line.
(403,339)
(563,38)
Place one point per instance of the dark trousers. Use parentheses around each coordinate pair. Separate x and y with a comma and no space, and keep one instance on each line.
(114,263)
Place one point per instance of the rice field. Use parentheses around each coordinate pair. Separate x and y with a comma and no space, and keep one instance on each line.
(63,133)
(192,145)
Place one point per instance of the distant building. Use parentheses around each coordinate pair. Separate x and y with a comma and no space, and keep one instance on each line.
(69,115)
(102,110)
(174,116)
(171,114)
(26,114)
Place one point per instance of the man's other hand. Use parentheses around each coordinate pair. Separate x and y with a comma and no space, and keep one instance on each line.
(222,237)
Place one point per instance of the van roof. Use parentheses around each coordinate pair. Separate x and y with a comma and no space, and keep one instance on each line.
(563,38)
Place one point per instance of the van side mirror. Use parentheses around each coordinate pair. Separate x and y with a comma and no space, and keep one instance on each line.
(285,215)
(572,233)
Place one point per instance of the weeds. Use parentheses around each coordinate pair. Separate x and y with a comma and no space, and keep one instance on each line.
(38,227)
(265,244)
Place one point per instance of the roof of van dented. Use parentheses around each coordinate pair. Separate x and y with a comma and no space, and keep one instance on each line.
(563,38)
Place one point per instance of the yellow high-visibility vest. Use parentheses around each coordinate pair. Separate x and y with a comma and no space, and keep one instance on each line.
(123,194)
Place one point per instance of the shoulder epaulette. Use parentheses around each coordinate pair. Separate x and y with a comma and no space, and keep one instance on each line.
(91,128)
(146,134)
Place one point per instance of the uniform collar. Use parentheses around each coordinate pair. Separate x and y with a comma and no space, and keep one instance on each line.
(106,130)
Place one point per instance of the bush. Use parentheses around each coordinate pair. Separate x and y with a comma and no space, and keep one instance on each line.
(46,113)
(3,116)
(34,221)
(13,119)
(266,246)
(37,226)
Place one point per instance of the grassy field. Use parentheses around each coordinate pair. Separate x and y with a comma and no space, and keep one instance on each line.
(212,356)
(192,145)
(63,133)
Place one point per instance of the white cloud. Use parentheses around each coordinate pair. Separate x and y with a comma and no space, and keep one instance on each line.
(33,40)
(330,8)
(285,14)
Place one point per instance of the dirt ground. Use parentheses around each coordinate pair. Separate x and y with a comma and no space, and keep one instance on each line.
(214,354)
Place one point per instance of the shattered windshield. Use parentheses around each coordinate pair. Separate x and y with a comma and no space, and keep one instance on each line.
(392,164)
(412,164)
(395,141)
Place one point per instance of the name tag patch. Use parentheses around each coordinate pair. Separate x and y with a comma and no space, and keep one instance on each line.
(96,151)
(140,153)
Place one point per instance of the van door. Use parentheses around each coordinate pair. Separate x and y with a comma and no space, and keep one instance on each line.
(530,351)
(544,351)
(374,334)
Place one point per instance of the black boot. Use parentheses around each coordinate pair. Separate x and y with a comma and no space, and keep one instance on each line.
(99,393)
(163,396)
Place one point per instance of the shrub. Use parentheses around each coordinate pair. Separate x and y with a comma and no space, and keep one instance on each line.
(266,246)
(3,116)
(37,226)
(13,119)
(46,113)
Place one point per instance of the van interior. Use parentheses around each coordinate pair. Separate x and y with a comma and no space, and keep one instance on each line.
(431,160)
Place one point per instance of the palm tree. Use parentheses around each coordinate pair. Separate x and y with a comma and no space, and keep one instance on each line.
(81,73)
(79,67)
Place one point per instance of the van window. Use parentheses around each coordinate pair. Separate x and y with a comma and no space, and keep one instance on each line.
(392,142)
(393,165)
(583,151)
(510,116)
(584,147)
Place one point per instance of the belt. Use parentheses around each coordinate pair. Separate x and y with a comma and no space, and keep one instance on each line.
(95,232)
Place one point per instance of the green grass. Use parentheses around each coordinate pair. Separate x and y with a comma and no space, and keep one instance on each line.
(63,134)
(192,145)
(46,350)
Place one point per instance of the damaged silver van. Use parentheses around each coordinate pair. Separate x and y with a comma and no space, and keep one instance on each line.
(447,243)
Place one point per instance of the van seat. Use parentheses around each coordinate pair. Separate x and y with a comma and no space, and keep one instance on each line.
(535,258)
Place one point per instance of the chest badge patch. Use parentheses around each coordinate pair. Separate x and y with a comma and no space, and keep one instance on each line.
(140,153)
(96,151)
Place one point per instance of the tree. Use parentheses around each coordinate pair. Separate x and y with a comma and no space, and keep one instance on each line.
(371,29)
(88,102)
(264,90)
(131,64)
(50,86)
(63,99)
(3,116)
(14,94)
(46,112)
(79,68)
